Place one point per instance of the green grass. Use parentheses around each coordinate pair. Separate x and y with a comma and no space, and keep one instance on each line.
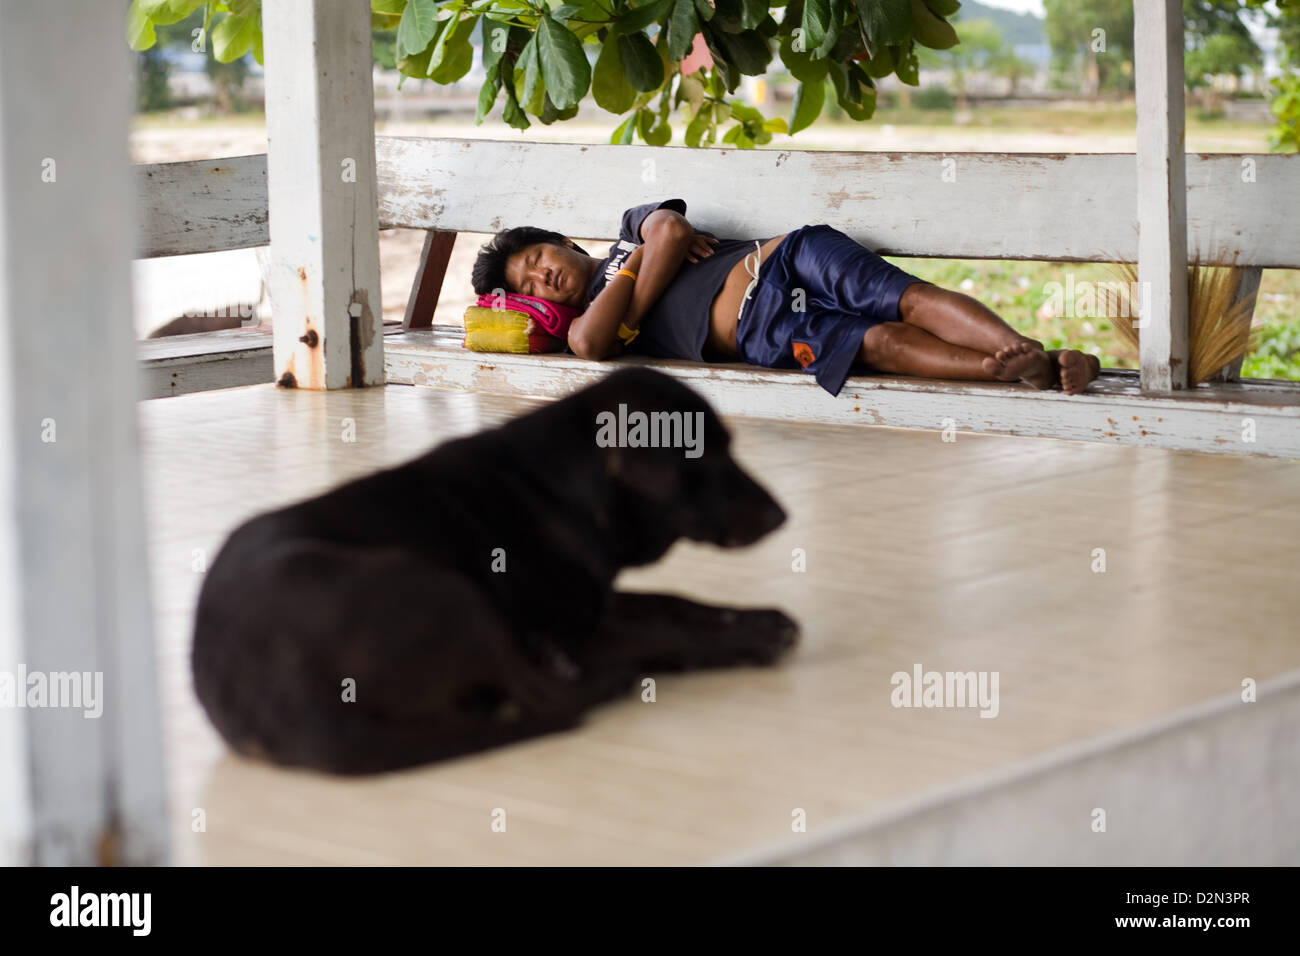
(1019,293)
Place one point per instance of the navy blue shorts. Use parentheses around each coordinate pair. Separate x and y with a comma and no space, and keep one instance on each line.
(847,289)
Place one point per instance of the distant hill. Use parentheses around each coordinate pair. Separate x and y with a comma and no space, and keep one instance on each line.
(1018,28)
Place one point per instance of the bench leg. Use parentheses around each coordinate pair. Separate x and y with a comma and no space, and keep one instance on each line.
(428,279)
(1247,290)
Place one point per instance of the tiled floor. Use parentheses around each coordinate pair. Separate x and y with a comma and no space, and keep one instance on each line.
(972,555)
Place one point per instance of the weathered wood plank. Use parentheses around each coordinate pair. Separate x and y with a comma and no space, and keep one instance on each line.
(1161,194)
(205,206)
(1071,207)
(180,364)
(426,288)
(1245,418)
(324,264)
(81,779)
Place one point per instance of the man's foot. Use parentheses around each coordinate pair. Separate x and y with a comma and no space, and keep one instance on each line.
(1077,369)
(1023,361)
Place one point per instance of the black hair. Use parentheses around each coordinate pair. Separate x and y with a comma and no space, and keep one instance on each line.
(490,266)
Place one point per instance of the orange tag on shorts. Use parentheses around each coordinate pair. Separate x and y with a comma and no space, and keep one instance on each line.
(803,354)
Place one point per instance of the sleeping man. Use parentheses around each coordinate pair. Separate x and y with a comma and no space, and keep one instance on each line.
(812,298)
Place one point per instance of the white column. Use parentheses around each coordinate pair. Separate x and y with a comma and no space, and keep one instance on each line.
(1161,192)
(320,172)
(74,579)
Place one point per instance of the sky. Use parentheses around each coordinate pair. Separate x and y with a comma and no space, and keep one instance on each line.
(1020,6)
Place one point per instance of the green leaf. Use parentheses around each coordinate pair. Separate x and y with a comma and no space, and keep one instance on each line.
(528,72)
(691,91)
(654,132)
(638,18)
(623,135)
(453,54)
(511,112)
(808,102)
(833,29)
(698,126)
(166,12)
(418,27)
(906,66)
(665,101)
(704,9)
(814,23)
(645,68)
(487,95)
(880,65)
(564,65)
(609,84)
(747,52)
(943,8)
(251,9)
(140,33)
(724,70)
(726,15)
(802,66)
(931,31)
(389,7)
(886,22)
(487,31)
(737,16)
(682,27)
(752,13)
(233,37)
(848,93)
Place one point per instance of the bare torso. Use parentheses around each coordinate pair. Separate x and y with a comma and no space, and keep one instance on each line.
(721,343)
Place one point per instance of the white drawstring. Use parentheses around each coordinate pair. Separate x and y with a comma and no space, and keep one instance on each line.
(758,260)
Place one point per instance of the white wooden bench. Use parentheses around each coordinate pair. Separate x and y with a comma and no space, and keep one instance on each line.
(1062,207)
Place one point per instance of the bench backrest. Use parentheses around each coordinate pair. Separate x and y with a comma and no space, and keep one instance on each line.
(1069,206)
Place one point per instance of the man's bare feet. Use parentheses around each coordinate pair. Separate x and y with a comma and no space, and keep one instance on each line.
(1023,361)
(1077,369)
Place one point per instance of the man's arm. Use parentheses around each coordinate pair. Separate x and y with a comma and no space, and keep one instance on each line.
(594,334)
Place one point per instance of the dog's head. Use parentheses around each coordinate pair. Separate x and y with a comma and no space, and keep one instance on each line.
(666,456)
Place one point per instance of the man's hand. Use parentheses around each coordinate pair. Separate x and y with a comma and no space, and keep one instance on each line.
(701,246)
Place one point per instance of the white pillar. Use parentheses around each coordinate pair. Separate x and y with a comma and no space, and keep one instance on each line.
(74,579)
(1161,193)
(320,172)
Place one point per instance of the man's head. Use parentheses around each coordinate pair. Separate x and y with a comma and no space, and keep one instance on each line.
(536,262)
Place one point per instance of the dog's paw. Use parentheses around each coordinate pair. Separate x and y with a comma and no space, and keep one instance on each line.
(763,636)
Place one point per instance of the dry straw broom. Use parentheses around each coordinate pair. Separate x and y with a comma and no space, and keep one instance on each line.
(1218,328)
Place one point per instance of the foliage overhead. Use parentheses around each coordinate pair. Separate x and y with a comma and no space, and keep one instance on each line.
(543,57)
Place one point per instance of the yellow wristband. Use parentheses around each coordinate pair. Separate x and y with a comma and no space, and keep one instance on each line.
(625,272)
(627,335)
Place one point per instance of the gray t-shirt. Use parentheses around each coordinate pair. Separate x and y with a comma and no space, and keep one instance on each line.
(677,325)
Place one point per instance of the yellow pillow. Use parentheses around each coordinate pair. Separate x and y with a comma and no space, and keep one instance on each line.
(505,330)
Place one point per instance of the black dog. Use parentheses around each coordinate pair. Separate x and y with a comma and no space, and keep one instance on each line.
(463,600)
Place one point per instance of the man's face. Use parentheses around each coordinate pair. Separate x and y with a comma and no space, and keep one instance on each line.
(554,273)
